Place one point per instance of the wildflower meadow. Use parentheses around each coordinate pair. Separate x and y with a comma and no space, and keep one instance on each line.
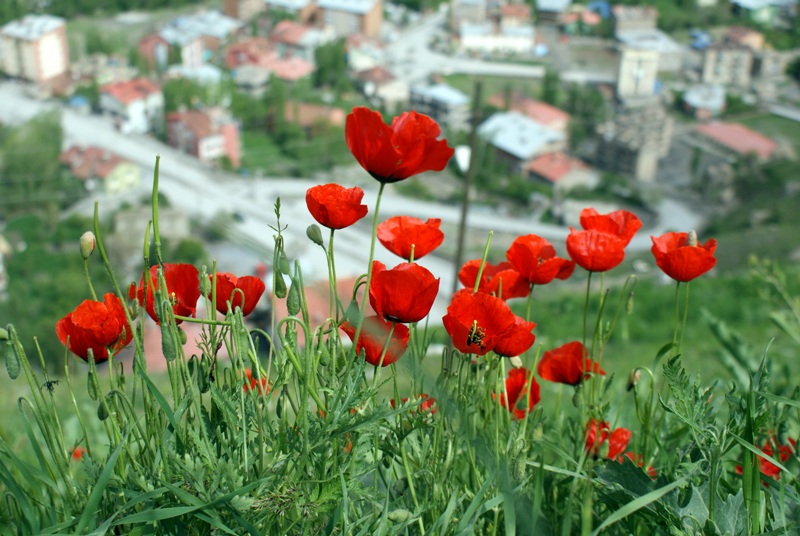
(337,428)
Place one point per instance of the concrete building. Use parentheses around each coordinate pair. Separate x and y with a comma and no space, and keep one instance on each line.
(550,12)
(772,64)
(627,18)
(137,106)
(446,105)
(739,35)
(297,40)
(767,12)
(260,52)
(383,89)
(536,110)
(637,73)
(490,38)
(251,79)
(727,64)
(102,70)
(704,101)
(170,46)
(634,140)
(304,11)
(211,26)
(99,168)
(348,17)
(243,10)
(35,48)
(518,140)
(208,134)
(467,12)
(670,54)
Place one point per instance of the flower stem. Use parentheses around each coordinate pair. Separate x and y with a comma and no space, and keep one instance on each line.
(371,257)
(586,306)
(88,278)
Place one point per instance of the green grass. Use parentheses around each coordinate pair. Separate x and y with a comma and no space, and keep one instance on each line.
(778,128)
(261,153)
(491,84)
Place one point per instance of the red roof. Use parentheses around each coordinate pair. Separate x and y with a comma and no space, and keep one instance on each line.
(516,11)
(739,138)
(289,32)
(554,166)
(131,91)
(539,111)
(91,162)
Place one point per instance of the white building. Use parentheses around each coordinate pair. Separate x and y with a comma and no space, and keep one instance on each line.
(518,139)
(670,53)
(137,106)
(445,104)
(34,48)
(487,37)
(637,74)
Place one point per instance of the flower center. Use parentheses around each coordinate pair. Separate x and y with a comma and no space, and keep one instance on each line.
(476,335)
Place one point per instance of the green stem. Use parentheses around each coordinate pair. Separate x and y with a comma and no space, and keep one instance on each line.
(677,317)
(371,257)
(586,307)
(88,278)
(685,315)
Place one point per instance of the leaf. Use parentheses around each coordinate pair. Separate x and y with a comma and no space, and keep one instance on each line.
(695,509)
(730,514)
(93,503)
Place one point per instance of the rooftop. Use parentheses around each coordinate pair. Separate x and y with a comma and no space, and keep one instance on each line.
(202,123)
(517,135)
(760,4)
(288,5)
(90,162)
(739,138)
(538,111)
(558,6)
(649,39)
(554,166)
(359,7)
(32,26)
(632,13)
(710,97)
(133,90)
(518,11)
(442,93)
(209,23)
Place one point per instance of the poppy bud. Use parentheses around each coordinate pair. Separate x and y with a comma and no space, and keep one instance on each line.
(691,239)
(629,303)
(314,233)
(538,434)
(518,466)
(577,398)
(92,386)
(12,359)
(3,335)
(102,411)
(182,335)
(633,378)
(602,450)
(168,342)
(205,282)
(515,361)
(278,284)
(399,516)
(399,486)
(293,299)
(352,313)
(283,264)
(87,244)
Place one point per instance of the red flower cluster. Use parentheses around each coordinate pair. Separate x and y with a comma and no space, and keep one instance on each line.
(409,146)
(522,391)
(536,261)
(600,246)
(183,289)
(98,326)
(372,339)
(784,453)
(402,234)
(599,432)
(334,206)
(501,279)
(231,289)
(428,404)
(567,364)
(681,257)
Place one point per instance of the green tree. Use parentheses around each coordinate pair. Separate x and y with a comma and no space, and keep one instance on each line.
(183,92)
(331,61)
(551,87)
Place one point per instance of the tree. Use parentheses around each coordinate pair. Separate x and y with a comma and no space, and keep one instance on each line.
(331,60)
(551,87)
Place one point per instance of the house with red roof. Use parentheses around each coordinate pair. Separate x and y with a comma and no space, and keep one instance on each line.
(297,40)
(260,52)
(136,106)
(312,118)
(737,140)
(100,168)
(562,171)
(541,112)
(208,134)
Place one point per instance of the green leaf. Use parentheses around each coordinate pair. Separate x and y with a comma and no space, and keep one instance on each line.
(730,514)
(90,510)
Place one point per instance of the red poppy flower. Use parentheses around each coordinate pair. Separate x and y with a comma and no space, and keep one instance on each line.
(683,259)
(601,245)
(475,321)
(404,294)
(97,326)
(335,206)
(638,460)
(372,339)
(402,233)
(250,286)
(393,153)
(767,467)
(535,259)
(516,339)
(428,404)
(77,454)
(183,289)
(502,280)
(617,440)
(567,364)
(520,403)
(252,383)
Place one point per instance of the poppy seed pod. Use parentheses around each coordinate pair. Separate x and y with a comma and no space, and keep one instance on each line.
(314,233)
(88,243)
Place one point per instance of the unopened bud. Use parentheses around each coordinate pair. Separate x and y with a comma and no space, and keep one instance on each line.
(205,282)
(314,234)
(293,299)
(181,335)
(87,244)
(515,361)
(3,335)
(517,466)
(691,239)
(602,450)
(538,433)
(633,378)
(629,303)
(399,516)
(577,398)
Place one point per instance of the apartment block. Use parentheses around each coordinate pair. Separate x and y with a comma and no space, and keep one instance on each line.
(34,48)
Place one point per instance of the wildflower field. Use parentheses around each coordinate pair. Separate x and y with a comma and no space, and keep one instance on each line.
(340,428)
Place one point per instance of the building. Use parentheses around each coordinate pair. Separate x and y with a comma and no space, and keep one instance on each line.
(704,101)
(170,46)
(304,11)
(579,20)
(261,53)
(348,17)
(536,110)
(208,135)
(490,38)
(252,80)
(137,106)
(518,140)
(550,12)
(634,140)
(35,48)
(467,11)
(243,10)
(563,172)
(767,12)
(637,73)
(382,88)
(737,140)
(727,64)
(364,53)
(100,168)
(101,69)
(312,118)
(446,105)
(297,40)
(739,35)
(627,18)
(210,26)
(772,64)
(670,53)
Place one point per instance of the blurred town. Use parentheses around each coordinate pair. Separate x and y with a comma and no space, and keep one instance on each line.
(684,111)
